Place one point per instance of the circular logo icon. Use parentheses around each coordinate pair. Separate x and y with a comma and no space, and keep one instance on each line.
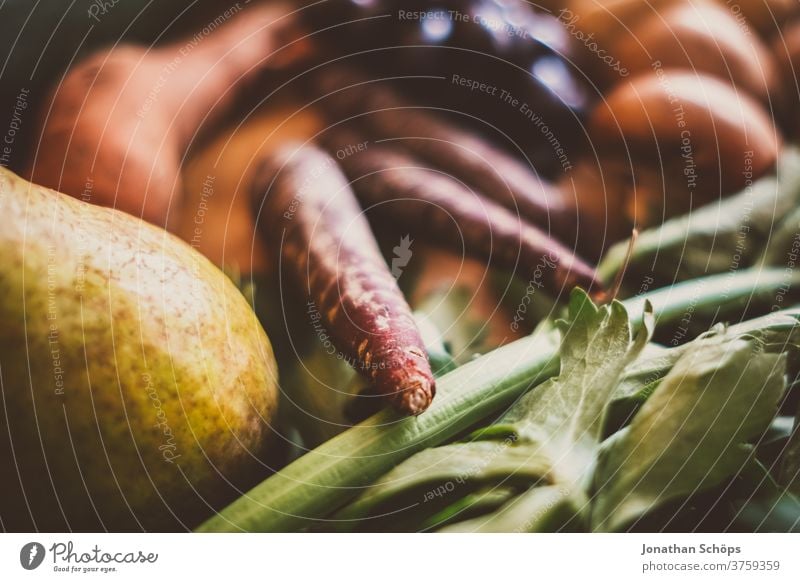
(31,555)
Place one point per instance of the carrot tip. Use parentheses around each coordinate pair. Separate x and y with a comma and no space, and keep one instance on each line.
(417,398)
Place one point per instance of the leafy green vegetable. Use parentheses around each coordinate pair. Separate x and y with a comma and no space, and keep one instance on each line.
(552,433)
(326,478)
(565,416)
(775,333)
(545,508)
(482,501)
(443,472)
(561,503)
(691,433)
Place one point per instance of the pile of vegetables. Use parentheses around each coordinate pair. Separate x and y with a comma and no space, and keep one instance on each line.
(519,287)
(560,451)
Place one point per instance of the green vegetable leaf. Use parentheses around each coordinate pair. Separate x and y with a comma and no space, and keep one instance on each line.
(539,509)
(481,502)
(775,333)
(565,416)
(448,473)
(691,433)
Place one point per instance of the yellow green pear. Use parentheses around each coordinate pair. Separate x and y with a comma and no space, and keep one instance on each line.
(138,387)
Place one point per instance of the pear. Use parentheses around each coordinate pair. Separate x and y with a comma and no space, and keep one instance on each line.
(138,388)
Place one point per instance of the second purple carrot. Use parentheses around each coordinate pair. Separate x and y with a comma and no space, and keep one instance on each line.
(404,192)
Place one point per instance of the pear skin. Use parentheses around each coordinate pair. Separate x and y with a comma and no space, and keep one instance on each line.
(138,387)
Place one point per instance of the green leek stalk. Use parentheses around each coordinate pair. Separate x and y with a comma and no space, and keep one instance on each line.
(325,478)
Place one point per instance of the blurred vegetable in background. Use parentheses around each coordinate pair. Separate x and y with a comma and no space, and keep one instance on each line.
(40,40)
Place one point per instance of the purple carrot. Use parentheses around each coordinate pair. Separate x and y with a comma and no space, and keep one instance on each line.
(306,209)
(435,206)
